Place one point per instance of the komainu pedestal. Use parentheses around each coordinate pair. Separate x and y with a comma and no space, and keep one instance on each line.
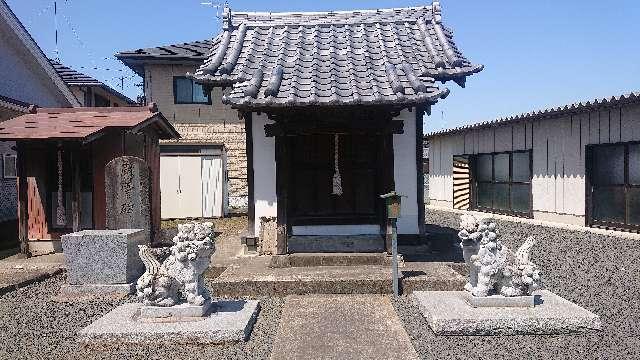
(176,306)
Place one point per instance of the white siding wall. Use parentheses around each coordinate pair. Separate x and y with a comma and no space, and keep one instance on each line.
(558,145)
(264,171)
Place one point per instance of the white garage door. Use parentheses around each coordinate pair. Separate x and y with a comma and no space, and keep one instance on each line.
(191,186)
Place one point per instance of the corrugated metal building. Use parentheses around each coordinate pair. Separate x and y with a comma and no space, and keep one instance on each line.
(576,164)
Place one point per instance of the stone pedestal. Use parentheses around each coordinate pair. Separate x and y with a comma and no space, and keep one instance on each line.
(228,321)
(448,313)
(499,301)
(103,261)
(178,311)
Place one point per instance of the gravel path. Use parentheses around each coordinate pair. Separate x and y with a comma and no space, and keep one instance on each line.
(32,326)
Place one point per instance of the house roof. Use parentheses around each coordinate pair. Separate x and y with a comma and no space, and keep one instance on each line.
(13,104)
(595,104)
(189,52)
(386,56)
(72,77)
(83,124)
(23,35)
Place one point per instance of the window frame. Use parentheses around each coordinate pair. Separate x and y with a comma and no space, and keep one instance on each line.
(474,182)
(192,102)
(4,166)
(590,186)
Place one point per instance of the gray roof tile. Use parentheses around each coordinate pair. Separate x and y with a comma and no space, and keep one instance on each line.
(388,56)
(72,77)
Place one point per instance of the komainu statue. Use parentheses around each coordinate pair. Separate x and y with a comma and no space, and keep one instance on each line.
(494,269)
(174,275)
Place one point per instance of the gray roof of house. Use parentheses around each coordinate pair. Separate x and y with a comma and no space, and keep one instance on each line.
(191,52)
(387,56)
(73,77)
(582,106)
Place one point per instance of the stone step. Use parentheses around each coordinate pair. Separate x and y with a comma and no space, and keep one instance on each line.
(330,259)
(242,282)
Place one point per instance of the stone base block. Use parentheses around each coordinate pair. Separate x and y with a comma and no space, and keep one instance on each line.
(448,313)
(178,311)
(229,321)
(98,289)
(499,301)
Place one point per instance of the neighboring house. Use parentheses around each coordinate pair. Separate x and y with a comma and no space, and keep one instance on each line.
(576,164)
(89,91)
(333,104)
(209,162)
(26,78)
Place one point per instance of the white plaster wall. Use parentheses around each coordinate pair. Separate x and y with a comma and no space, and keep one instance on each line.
(558,147)
(264,171)
(404,173)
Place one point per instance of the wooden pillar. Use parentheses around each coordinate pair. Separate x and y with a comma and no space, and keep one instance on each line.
(282,184)
(76,207)
(23,213)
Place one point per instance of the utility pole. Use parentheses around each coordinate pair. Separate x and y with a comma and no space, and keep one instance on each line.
(55,22)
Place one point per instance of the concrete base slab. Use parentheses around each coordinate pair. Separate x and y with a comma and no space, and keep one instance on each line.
(178,311)
(341,327)
(500,301)
(448,313)
(98,289)
(229,321)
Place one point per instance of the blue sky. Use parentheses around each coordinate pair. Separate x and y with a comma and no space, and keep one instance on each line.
(536,53)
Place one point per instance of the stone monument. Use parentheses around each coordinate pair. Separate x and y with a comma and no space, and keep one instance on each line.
(176,306)
(128,194)
(502,296)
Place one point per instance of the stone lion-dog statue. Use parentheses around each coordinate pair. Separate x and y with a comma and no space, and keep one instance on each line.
(174,275)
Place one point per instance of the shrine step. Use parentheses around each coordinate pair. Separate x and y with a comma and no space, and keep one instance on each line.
(248,281)
(335,244)
(330,259)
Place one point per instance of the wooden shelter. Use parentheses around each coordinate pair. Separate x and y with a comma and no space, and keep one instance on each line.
(62,155)
(333,105)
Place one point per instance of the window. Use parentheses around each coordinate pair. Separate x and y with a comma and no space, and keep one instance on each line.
(186,91)
(614,185)
(502,182)
(10,168)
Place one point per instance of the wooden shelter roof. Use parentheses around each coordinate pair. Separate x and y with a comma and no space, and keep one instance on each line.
(361,57)
(83,124)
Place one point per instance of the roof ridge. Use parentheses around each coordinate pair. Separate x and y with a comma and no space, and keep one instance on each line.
(633,96)
(293,13)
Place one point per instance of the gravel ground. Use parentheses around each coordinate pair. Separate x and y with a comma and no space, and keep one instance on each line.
(599,273)
(32,326)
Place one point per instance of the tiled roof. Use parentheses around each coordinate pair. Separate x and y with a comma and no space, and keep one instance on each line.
(82,123)
(72,77)
(632,97)
(388,56)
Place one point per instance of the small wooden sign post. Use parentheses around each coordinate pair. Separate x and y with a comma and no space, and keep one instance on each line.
(393,202)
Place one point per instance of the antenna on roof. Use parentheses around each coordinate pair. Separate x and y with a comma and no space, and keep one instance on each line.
(217,6)
(55,22)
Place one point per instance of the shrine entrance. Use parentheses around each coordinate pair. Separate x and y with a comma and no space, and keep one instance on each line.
(335,179)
